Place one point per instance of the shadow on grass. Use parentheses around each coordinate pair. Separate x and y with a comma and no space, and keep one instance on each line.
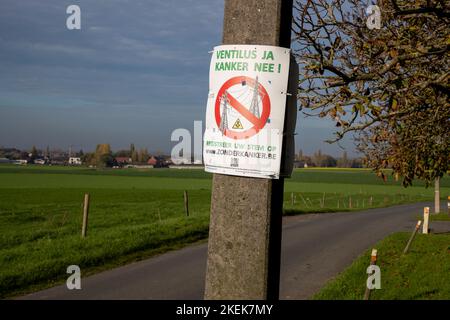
(294,212)
(440,232)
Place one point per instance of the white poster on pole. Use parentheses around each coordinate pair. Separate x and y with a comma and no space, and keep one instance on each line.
(245,110)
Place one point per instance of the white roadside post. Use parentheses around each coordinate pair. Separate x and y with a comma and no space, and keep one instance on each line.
(373,261)
(426,216)
(448,204)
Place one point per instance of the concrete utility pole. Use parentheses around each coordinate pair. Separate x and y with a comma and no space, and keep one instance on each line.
(246,213)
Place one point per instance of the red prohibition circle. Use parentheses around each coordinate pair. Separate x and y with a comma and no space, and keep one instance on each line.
(258,123)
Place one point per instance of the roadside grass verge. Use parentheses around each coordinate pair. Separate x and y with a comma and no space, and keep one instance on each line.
(48,259)
(423,273)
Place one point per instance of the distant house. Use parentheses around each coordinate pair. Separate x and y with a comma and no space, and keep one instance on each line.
(75,161)
(123,160)
(21,161)
(58,161)
(152,161)
(39,161)
(300,164)
(157,162)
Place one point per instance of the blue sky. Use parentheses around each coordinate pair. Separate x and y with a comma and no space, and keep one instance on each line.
(135,71)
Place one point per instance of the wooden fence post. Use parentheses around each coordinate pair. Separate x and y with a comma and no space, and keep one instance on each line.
(85,215)
(412,236)
(186,203)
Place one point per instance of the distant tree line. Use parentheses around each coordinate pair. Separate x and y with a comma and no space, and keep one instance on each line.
(105,157)
(319,159)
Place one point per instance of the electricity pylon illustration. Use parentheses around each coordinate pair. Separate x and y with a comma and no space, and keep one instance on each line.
(254,107)
(224,118)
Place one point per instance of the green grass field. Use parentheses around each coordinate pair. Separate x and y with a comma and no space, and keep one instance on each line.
(440,217)
(138,213)
(423,273)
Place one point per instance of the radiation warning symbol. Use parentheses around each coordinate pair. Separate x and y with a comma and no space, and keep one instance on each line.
(238,124)
(243,103)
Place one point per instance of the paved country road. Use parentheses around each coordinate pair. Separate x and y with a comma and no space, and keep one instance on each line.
(315,248)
